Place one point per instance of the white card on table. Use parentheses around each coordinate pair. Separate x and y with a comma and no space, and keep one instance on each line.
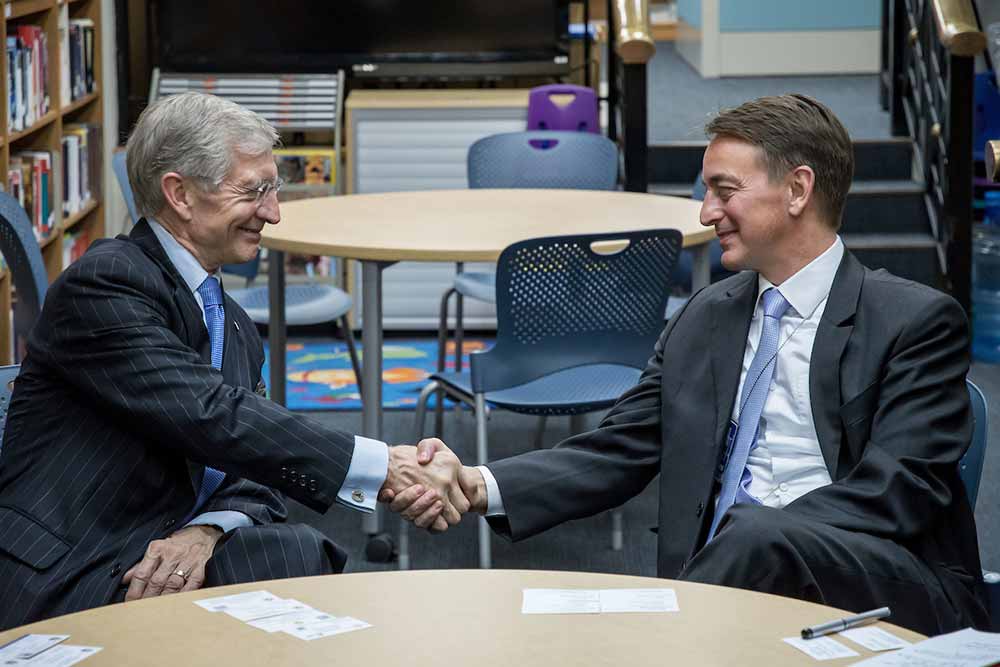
(821,648)
(61,655)
(226,602)
(336,626)
(618,600)
(264,609)
(290,620)
(28,646)
(560,601)
(874,639)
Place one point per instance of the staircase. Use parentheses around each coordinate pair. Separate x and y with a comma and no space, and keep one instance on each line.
(886,222)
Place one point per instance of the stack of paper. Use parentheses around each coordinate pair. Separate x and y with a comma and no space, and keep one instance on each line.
(44,651)
(268,612)
(966,648)
(606,601)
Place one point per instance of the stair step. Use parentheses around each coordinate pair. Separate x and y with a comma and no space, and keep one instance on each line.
(671,189)
(887,187)
(889,241)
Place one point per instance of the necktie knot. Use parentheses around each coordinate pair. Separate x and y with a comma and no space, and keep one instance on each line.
(774,303)
(211,292)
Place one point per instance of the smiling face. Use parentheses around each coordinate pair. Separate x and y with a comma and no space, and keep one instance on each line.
(226,225)
(750,213)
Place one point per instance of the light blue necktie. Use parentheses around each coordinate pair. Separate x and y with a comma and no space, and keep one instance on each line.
(215,320)
(736,477)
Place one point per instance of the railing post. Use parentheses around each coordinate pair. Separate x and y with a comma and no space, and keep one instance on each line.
(896,69)
(959,192)
(635,128)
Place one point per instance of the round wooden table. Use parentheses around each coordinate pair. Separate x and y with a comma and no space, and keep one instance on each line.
(446,225)
(451,617)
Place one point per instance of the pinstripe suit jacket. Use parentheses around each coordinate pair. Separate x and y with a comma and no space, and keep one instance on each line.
(115,414)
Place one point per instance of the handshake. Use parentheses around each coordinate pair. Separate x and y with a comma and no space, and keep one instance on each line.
(429,486)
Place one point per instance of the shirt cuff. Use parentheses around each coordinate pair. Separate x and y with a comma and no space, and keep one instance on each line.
(494,503)
(366,475)
(224,520)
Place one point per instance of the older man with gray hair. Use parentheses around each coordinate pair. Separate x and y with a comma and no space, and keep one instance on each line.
(166,466)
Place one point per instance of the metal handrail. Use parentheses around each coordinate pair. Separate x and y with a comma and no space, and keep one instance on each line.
(992,154)
(957,27)
(634,40)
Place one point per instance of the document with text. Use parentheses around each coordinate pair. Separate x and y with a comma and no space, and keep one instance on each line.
(597,601)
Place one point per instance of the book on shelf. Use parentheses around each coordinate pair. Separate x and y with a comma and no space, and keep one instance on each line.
(81,144)
(65,84)
(27,76)
(34,188)
(306,165)
(80,35)
(75,243)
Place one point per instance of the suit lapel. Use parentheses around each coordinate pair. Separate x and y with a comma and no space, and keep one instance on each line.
(731,316)
(832,334)
(192,318)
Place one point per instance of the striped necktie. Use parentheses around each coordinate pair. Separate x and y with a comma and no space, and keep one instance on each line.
(215,321)
(736,477)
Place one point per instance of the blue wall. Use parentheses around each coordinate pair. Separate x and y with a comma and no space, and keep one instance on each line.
(775,15)
(689,11)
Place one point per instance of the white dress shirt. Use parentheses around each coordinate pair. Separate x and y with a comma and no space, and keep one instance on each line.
(787,461)
(370,460)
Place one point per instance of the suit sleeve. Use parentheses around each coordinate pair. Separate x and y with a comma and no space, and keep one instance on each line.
(107,334)
(920,429)
(591,472)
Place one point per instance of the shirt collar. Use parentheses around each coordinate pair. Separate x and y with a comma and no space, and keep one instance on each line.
(811,284)
(190,269)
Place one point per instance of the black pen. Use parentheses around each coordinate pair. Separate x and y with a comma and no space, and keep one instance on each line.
(844,623)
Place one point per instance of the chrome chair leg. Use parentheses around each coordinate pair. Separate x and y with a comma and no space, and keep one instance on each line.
(442,353)
(540,431)
(459,331)
(345,330)
(420,414)
(485,557)
(617,534)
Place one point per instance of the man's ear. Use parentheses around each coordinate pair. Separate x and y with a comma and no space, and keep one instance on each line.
(178,195)
(801,181)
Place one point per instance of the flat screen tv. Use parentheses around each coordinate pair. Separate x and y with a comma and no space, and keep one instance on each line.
(325,35)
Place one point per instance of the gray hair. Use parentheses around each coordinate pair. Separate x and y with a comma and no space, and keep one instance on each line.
(195,135)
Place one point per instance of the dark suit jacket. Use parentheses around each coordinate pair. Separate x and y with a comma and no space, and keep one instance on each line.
(887,386)
(116,412)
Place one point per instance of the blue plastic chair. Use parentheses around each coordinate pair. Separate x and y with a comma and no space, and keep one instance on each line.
(7,376)
(310,303)
(575,328)
(538,159)
(971,469)
(24,259)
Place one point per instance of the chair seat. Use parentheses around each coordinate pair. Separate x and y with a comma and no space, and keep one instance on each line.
(311,303)
(477,285)
(571,391)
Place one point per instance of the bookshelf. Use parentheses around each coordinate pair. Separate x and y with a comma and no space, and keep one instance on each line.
(70,230)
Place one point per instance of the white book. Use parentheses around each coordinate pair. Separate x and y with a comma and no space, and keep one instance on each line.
(18,75)
(72,155)
(65,92)
(29,87)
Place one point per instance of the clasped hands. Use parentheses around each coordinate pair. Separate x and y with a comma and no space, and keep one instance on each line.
(429,486)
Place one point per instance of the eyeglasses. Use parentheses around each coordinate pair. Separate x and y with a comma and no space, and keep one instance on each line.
(260,193)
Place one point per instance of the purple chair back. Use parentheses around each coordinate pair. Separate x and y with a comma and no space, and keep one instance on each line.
(580,115)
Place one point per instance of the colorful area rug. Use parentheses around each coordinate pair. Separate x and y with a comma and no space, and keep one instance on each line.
(320,375)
